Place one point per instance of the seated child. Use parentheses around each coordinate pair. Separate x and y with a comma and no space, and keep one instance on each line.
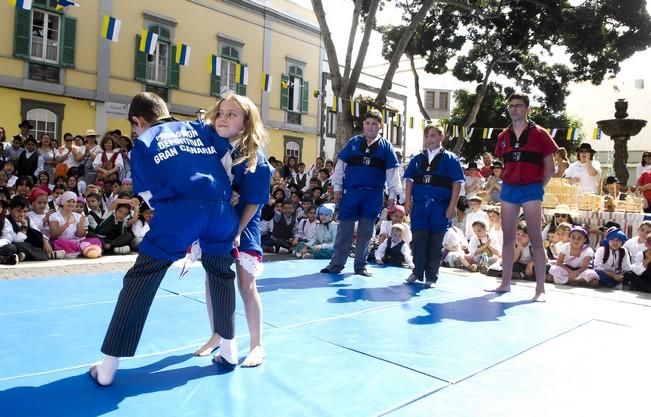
(454,249)
(563,235)
(396,215)
(114,230)
(612,260)
(28,241)
(395,249)
(8,251)
(639,279)
(482,250)
(550,245)
(305,229)
(636,245)
(573,263)
(523,256)
(39,219)
(321,245)
(283,233)
(475,213)
(94,211)
(68,230)
(141,226)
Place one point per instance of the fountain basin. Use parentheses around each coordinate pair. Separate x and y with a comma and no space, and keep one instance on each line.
(621,127)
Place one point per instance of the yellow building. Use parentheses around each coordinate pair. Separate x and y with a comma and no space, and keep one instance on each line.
(61,73)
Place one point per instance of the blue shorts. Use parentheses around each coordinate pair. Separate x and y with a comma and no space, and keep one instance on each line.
(520,194)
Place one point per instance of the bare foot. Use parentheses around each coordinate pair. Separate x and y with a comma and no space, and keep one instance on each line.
(539,297)
(209,346)
(501,289)
(254,358)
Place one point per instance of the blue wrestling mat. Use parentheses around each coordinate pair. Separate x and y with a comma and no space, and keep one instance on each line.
(337,345)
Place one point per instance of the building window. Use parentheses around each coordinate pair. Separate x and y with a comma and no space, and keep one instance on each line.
(42,72)
(44,121)
(444,101)
(429,99)
(331,123)
(294,118)
(437,100)
(45,36)
(293,147)
(228,77)
(162,92)
(158,70)
(294,97)
(157,64)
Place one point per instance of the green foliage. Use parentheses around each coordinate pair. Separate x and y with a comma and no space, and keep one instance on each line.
(507,38)
(493,114)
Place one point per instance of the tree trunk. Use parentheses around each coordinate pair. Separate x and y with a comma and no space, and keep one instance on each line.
(344,129)
(472,116)
(417,88)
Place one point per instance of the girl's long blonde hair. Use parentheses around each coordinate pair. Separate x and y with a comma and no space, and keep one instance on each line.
(254,136)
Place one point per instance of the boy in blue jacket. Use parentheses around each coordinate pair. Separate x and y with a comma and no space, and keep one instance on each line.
(175,169)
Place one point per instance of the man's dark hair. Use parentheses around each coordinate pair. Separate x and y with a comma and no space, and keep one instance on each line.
(149,106)
(519,96)
(373,114)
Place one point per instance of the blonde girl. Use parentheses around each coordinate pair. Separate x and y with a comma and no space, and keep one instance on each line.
(237,119)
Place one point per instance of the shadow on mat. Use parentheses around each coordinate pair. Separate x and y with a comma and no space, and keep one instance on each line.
(301,282)
(79,396)
(470,309)
(397,293)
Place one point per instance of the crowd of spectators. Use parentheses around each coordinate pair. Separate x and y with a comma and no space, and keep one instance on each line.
(75,199)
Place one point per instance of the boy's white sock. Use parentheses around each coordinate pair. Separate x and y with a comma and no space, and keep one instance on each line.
(228,350)
(106,369)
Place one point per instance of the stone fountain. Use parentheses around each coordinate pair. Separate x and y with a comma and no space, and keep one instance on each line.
(620,129)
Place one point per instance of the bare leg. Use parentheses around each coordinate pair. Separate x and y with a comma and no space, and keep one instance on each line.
(253,312)
(213,342)
(532,213)
(510,213)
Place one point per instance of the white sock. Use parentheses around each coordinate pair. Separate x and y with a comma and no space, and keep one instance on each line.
(228,350)
(106,369)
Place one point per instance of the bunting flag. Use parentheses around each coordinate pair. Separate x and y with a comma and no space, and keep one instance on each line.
(22,4)
(490,133)
(484,133)
(214,65)
(571,134)
(148,42)
(111,28)
(336,104)
(422,124)
(182,54)
(553,132)
(398,120)
(355,109)
(411,122)
(265,82)
(596,133)
(455,131)
(470,132)
(241,74)
(62,4)
(464,133)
